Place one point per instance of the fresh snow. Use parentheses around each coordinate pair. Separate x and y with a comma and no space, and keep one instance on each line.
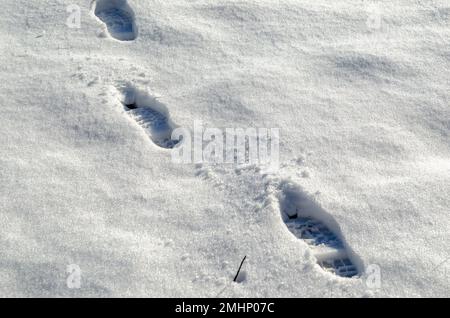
(92,204)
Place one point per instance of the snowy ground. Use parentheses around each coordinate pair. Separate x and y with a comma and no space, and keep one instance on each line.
(358,88)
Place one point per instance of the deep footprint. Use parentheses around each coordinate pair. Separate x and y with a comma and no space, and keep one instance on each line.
(150,114)
(297,211)
(118,17)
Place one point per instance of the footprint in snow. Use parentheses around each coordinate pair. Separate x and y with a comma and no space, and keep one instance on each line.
(150,114)
(118,17)
(310,223)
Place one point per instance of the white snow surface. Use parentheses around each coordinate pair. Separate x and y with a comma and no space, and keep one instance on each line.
(365,134)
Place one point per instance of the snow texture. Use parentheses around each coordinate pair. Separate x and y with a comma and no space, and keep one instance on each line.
(358,88)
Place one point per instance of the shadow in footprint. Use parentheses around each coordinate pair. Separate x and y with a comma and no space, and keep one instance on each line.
(118,17)
(150,114)
(310,223)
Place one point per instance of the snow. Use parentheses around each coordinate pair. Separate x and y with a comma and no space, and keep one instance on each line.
(359,90)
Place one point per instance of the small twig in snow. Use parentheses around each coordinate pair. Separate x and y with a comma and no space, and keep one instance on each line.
(237,274)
